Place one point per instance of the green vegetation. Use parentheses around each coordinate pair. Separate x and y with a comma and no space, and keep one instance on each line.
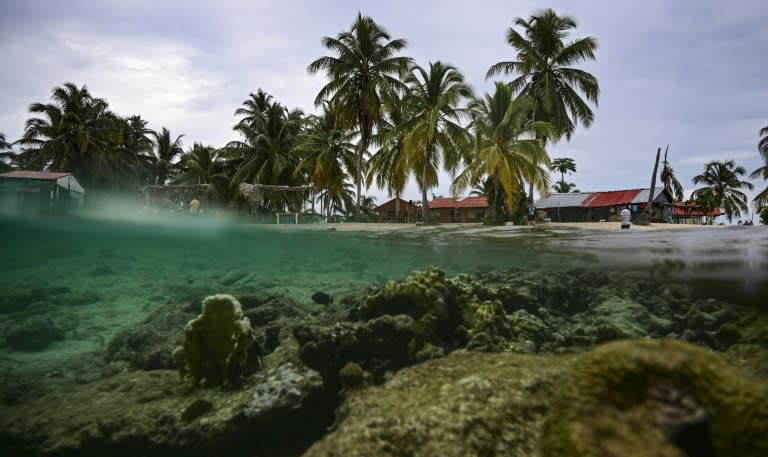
(563,165)
(545,72)
(722,188)
(668,179)
(760,201)
(498,123)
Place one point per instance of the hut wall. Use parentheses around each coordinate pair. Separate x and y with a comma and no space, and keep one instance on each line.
(567,214)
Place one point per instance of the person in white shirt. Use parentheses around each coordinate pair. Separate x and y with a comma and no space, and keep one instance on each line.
(626,217)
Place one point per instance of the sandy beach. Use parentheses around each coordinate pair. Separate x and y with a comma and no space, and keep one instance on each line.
(384,227)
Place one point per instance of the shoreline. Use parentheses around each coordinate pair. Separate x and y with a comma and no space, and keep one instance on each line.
(392,226)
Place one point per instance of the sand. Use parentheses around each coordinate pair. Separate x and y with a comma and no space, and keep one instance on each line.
(384,227)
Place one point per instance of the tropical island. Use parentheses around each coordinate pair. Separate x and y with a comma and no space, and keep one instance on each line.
(384,119)
(187,335)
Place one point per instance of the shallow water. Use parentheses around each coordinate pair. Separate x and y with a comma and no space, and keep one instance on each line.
(100,275)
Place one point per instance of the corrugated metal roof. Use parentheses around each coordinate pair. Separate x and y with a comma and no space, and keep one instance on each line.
(642,197)
(562,200)
(41,175)
(612,198)
(474,202)
(442,203)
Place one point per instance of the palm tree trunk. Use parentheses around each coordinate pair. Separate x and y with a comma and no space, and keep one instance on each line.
(397,207)
(649,207)
(424,201)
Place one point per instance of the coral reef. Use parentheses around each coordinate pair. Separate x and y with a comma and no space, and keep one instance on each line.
(445,309)
(656,398)
(216,343)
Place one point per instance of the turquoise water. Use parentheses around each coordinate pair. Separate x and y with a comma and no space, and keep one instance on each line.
(96,275)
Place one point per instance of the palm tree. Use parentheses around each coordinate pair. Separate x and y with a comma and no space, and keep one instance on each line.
(163,155)
(545,73)
(325,152)
(265,155)
(433,134)
(75,133)
(722,183)
(760,201)
(254,107)
(563,187)
(363,73)
(505,149)
(671,184)
(389,165)
(5,153)
(563,165)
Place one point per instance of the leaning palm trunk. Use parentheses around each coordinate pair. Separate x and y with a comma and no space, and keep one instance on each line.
(424,202)
(649,207)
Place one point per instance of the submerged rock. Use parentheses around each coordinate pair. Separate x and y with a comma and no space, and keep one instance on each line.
(656,398)
(321,298)
(33,333)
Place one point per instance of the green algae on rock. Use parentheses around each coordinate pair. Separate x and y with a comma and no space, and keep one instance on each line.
(216,343)
(660,398)
(445,309)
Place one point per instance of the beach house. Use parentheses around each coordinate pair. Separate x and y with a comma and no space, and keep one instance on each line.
(460,209)
(39,191)
(605,206)
(398,210)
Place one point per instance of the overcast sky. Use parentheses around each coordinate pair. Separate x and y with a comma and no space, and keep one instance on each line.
(692,74)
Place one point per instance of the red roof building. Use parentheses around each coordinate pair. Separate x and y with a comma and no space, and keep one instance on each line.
(389,211)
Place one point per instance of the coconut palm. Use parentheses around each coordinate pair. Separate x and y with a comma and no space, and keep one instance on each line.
(361,75)
(254,107)
(563,187)
(545,72)
(760,202)
(76,133)
(325,153)
(433,134)
(668,179)
(563,165)
(388,165)
(505,149)
(5,154)
(722,187)
(264,156)
(165,151)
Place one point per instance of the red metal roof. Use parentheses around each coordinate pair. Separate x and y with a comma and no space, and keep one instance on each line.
(612,198)
(442,203)
(683,210)
(41,175)
(474,202)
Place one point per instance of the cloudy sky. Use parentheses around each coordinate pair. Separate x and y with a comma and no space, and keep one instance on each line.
(689,73)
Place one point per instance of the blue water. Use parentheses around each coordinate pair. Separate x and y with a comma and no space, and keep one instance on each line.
(110,273)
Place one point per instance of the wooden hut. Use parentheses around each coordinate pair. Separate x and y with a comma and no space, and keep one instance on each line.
(39,191)
(605,206)
(472,209)
(443,210)
(397,210)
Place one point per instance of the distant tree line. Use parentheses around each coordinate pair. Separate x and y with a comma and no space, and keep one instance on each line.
(383,119)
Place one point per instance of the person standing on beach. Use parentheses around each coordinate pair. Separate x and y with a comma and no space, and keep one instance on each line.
(194,206)
(531,213)
(626,217)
